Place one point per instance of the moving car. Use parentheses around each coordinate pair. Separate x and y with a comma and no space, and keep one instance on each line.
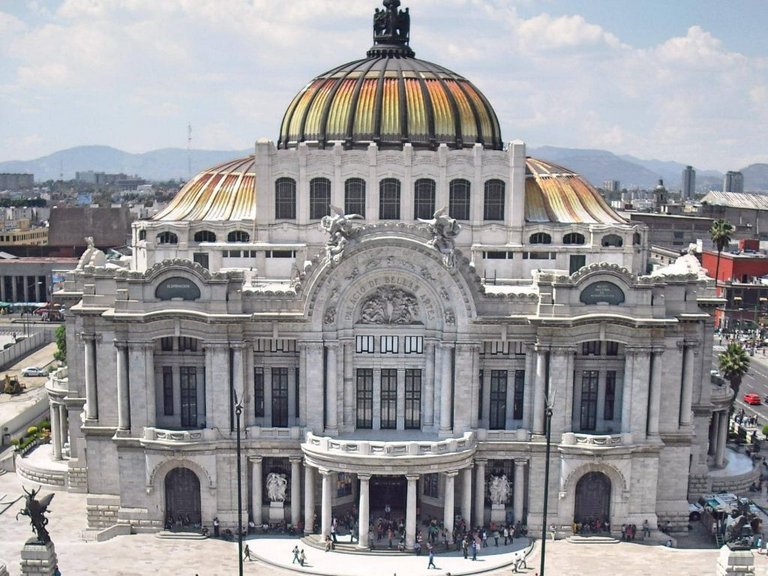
(34,371)
(753,399)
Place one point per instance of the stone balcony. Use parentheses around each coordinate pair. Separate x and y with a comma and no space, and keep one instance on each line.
(580,440)
(197,436)
(398,456)
(57,384)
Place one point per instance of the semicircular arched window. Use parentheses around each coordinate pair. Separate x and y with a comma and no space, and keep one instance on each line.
(573,238)
(540,238)
(612,241)
(167,238)
(205,236)
(238,236)
(424,199)
(458,199)
(637,239)
(285,199)
(319,198)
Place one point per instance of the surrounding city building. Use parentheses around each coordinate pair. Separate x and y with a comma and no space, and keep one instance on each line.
(747,212)
(733,182)
(394,307)
(109,227)
(674,231)
(689,183)
(16,181)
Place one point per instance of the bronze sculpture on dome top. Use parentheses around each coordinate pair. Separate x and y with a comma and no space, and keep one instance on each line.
(391,26)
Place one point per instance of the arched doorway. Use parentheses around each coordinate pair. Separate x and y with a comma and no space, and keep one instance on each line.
(593,498)
(182,498)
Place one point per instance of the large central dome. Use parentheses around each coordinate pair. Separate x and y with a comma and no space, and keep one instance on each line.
(390,98)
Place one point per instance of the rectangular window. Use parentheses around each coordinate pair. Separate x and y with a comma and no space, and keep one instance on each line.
(538,255)
(610,394)
(388,399)
(591,348)
(188,386)
(166,343)
(412,399)
(413,344)
(431,484)
(389,344)
(588,412)
(496,255)
(364,418)
(498,416)
(364,344)
(167,391)
(258,391)
(187,344)
(611,348)
(280,397)
(519,395)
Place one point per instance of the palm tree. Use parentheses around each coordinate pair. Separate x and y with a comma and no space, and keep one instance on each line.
(720,232)
(734,364)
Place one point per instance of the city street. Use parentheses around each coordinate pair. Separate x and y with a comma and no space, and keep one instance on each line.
(755,381)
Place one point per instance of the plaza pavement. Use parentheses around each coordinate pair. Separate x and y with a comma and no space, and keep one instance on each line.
(144,554)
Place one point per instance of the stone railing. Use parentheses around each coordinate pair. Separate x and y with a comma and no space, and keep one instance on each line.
(721,392)
(592,440)
(211,435)
(180,436)
(58,381)
(391,449)
(519,435)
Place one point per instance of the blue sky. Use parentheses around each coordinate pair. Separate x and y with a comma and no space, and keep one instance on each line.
(683,80)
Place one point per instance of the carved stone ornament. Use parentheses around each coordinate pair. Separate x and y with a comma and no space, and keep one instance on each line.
(444,230)
(339,227)
(330,315)
(390,305)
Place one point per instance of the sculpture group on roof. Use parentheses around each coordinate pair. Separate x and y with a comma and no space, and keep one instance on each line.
(339,228)
(444,230)
(391,26)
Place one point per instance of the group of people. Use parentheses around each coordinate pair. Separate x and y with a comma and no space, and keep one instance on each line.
(180,521)
(592,526)
(742,417)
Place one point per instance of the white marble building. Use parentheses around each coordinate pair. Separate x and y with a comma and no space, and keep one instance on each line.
(385,360)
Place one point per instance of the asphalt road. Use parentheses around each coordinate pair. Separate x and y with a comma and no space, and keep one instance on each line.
(755,381)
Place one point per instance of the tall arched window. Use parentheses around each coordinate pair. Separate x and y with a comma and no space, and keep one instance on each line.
(573,238)
(389,199)
(612,241)
(167,238)
(205,236)
(285,199)
(540,238)
(238,236)
(458,201)
(354,196)
(494,200)
(319,198)
(143,234)
(424,199)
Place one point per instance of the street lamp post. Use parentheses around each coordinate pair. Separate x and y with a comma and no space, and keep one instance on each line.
(548,424)
(238,413)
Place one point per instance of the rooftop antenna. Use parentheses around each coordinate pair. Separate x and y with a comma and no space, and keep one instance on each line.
(189,151)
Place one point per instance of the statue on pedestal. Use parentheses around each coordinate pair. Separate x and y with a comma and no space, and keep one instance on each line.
(499,489)
(276,487)
(36,509)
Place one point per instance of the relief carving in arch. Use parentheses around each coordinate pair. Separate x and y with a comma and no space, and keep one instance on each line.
(390,305)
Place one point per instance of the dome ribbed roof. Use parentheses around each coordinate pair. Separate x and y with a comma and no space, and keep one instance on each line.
(390,98)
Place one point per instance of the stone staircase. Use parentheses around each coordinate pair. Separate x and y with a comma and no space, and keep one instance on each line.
(168,535)
(596,539)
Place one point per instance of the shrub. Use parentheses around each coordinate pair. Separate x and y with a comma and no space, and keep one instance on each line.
(15,442)
(765,430)
(44,425)
(32,431)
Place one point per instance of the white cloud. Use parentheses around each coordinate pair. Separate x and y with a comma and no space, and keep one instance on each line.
(544,32)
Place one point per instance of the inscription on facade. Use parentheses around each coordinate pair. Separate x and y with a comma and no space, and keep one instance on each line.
(177,287)
(598,292)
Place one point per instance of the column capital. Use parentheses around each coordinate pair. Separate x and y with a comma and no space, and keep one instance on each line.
(237,345)
(480,462)
(563,349)
(296,459)
(636,350)
(687,343)
(521,461)
(658,350)
(121,344)
(255,459)
(86,337)
(331,345)
(325,472)
(447,345)
(364,477)
(451,473)
(412,477)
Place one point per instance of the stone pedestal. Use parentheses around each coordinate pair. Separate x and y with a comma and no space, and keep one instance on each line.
(276,512)
(735,562)
(38,559)
(498,513)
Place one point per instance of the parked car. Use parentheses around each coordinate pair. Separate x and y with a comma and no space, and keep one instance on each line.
(34,371)
(753,399)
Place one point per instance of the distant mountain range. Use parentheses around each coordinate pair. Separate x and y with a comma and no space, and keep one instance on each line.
(178,163)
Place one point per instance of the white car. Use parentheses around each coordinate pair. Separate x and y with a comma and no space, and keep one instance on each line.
(33,371)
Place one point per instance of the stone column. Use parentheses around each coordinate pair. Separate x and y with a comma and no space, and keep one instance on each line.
(429,383)
(641,373)
(91,400)
(518,499)
(331,425)
(295,491)
(686,396)
(410,513)
(63,425)
(309,498)
(364,513)
(626,391)
(55,430)
(256,497)
(654,401)
(540,392)
(479,492)
(327,506)
(722,436)
(446,392)
(348,416)
(237,375)
(466,496)
(123,395)
(528,388)
(313,379)
(149,376)
(448,513)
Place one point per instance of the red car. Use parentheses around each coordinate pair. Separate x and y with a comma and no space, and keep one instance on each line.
(753,399)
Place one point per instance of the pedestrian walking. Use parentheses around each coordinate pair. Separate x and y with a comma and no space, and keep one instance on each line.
(431,558)
(247,553)
(302,557)
(295,555)
(474,550)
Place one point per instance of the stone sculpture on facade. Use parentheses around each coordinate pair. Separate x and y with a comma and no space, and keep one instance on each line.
(339,228)
(499,489)
(389,305)
(36,509)
(444,230)
(276,487)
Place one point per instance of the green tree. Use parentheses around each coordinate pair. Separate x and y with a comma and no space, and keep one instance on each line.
(734,364)
(720,232)
(61,344)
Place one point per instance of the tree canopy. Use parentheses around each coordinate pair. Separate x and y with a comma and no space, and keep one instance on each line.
(734,364)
